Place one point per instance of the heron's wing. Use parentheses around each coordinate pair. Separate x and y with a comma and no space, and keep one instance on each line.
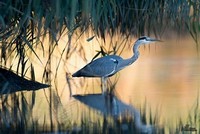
(102,67)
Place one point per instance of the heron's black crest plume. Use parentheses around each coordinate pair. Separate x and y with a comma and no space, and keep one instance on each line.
(142,38)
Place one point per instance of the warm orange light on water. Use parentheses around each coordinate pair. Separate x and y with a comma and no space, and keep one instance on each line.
(166,76)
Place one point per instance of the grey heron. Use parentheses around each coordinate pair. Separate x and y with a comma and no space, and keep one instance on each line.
(107,66)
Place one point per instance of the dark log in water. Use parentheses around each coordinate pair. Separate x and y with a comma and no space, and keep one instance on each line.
(11,82)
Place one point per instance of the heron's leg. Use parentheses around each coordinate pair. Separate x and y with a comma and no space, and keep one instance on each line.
(103,85)
(115,107)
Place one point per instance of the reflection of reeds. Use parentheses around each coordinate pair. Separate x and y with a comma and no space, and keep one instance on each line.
(192,123)
(16,115)
(17,118)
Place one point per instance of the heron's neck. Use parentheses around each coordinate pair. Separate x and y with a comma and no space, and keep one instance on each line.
(135,56)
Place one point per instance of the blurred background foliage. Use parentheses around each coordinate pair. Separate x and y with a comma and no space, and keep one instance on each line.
(26,20)
(25,23)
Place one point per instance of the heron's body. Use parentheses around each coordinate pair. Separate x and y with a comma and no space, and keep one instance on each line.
(100,68)
(109,65)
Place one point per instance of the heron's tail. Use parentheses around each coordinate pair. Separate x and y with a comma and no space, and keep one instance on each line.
(76,74)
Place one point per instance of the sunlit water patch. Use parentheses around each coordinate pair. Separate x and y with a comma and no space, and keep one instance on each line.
(165,79)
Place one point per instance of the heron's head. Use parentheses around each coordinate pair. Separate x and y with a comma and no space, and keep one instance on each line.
(143,40)
(146,40)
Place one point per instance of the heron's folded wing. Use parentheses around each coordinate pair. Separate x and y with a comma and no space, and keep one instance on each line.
(102,67)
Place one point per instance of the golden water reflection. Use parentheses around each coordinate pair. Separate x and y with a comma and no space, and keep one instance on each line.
(166,77)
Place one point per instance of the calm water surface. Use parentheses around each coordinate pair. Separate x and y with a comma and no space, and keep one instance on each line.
(166,78)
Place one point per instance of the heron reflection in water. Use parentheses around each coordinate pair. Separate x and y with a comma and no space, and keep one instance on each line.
(107,66)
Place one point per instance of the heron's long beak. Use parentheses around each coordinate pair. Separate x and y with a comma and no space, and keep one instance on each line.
(152,39)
